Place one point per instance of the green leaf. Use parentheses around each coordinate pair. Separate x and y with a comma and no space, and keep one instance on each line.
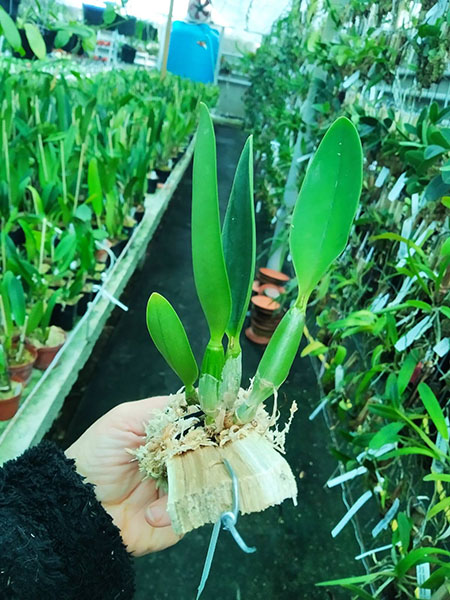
(37,201)
(406,371)
(45,321)
(439,507)
(445,310)
(95,187)
(386,435)
(16,297)
(35,40)
(417,556)
(314,348)
(239,240)
(433,408)
(62,38)
(409,450)
(399,238)
(445,249)
(10,30)
(433,150)
(34,317)
(210,274)
(169,336)
(404,530)
(352,580)
(326,204)
(437,477)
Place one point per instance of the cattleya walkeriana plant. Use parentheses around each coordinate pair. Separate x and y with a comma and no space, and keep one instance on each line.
(215,419)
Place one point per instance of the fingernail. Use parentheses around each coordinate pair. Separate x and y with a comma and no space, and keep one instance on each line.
(155,514)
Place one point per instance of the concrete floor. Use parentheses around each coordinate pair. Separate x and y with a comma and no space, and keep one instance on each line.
(294,545)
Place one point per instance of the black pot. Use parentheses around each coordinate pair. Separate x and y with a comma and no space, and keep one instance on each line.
(127,54)
(118,247)
(49,39)
(93,15)
(83,303)
(64,316)
(139,215)
(11,7)
(163,174)
(151,186)
(127,27)
(17,236)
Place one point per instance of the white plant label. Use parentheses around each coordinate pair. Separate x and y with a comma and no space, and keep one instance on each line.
(414,205)
(384,523)
(318,409)
(349,81)
(374,551)
(422,574)
(351,512)
(346,476)
(413,334)
(442,347)
(382,176)
(396,190)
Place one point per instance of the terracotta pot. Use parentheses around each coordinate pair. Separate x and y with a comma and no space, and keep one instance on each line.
(46,354)
(9,406)
(271,276)
(23,371)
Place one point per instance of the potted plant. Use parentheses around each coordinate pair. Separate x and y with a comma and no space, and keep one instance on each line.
(47,339)
(217,420)
(10,390)
(20,354)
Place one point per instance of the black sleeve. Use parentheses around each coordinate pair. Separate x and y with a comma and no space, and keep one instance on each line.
(56,540)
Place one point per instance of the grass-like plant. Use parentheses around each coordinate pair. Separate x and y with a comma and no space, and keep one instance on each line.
(215,417)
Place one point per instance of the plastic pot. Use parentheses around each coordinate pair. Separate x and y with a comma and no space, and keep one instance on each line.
(127,27)
(46,354)
(23,371)
(127,54)
(64,316)
(93,15)
(49,39)
(163,174)
(9,406)
(151,185)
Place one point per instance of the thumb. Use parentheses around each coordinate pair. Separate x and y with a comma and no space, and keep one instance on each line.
(156,514)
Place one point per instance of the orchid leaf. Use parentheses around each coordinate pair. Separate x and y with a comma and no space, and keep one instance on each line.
(326,205)
(169,336)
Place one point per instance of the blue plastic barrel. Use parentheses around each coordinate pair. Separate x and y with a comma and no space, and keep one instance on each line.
(193,51)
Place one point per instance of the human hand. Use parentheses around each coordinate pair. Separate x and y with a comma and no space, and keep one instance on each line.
(136,507)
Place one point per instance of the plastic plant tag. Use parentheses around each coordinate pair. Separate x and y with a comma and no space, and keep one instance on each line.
(384,523)
(422,574)
(351,513)
(318,409)
(382,175)
(373,551)
(414,205)
(442,347)
(349,81)
(398,186)
(413,334)
(346,476)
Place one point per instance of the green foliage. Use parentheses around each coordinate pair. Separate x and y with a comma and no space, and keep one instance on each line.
(239,244)
(326,205)
(169,336)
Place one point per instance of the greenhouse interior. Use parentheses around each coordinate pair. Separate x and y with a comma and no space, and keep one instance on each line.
(224,299)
